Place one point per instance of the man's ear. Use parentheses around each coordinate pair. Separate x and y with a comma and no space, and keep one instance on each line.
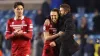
(66,12)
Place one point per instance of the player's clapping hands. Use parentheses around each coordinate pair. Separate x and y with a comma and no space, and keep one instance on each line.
(15,32)
(18,32)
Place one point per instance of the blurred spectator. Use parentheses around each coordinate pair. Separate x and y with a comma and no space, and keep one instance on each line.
(97,49)
(7,48)
(1,54)
(98,40)
(83,31)
(89,48)
(39,19)
(96,21)
(38,43)
(1,41)
(46,8)
(75,22)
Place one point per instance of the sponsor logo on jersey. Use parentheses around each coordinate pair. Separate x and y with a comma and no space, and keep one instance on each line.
(31,25)
(12,23)
(27,55)
(17,27)
(23,22)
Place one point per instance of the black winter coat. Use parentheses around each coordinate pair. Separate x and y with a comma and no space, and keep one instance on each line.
(66,42)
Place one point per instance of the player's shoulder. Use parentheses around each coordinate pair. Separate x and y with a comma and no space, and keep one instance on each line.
(10,19)
(27,18)
(47,20)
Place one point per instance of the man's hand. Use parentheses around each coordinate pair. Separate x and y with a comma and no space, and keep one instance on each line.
(60,33)
(53,44)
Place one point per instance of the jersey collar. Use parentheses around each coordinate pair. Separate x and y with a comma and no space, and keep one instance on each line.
(21,19)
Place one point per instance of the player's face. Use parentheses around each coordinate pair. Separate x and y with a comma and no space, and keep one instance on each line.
(62,11)
(54,16)
(19,10)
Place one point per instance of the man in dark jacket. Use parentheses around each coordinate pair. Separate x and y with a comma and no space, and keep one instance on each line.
(96,21)
(67,44)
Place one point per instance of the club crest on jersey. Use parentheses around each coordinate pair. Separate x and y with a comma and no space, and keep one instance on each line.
(23,22)
(12,23)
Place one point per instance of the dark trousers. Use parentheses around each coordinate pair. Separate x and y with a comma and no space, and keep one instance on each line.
(68,47)
(64,51)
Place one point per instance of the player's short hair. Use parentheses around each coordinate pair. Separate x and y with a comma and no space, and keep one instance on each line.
(18,3)
(55,10)
(66,7)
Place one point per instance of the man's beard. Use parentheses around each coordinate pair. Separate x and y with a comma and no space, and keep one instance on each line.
(61,14)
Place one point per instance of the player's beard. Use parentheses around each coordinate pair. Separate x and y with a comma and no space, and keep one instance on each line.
(54,21)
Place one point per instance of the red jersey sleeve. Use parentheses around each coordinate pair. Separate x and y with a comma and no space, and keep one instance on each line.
(46,28)
(8,33)
(46,25)
(30,29)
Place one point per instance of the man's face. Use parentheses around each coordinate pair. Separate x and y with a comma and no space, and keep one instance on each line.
(62,11)
(19,10)
(54,16)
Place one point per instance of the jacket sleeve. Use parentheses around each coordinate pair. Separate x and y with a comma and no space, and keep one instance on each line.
(68,29)
(1,40)
(29,32)
(8,33)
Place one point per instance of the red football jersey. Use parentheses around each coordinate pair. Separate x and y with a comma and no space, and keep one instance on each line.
(47,49)
(20,44)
